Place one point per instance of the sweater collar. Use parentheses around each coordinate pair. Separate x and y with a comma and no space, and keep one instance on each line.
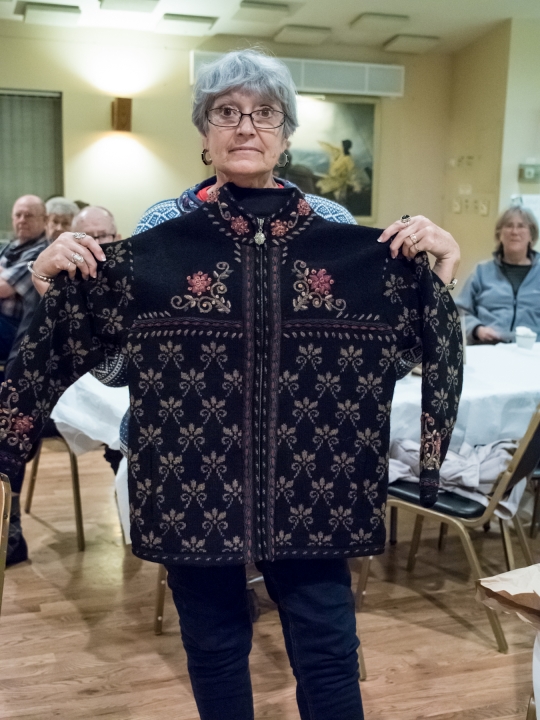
(189,201)
(234,220)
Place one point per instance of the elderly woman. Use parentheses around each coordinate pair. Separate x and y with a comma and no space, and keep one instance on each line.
(60,214)
(503,293)
(262,340)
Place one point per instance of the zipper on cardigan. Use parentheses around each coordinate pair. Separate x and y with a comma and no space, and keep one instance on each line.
(259,480)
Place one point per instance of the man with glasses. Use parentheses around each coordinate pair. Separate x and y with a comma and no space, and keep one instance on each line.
(97,222)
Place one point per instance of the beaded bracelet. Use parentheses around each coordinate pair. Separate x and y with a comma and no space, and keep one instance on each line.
(45,278)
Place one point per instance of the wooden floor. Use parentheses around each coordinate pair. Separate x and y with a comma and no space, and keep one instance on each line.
(76,634)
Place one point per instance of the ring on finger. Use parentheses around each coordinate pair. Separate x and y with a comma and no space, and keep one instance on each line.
(414,239)
(405,219)
(79,235)
(77,258)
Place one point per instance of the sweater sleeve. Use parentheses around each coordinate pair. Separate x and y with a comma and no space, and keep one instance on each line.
(72,327)
(428,321)
(442,375)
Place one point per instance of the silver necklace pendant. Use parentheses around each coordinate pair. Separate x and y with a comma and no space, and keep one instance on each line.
(259,235)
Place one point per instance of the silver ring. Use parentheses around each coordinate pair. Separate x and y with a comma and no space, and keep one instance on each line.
(406,219)
(77,258)
(414,239)
(79,235)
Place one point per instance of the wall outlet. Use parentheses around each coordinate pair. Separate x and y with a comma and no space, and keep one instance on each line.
(529,173)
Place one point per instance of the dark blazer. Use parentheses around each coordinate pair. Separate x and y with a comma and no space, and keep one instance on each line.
(262,357)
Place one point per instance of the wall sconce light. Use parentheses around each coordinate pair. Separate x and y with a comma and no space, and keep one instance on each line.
(121,114)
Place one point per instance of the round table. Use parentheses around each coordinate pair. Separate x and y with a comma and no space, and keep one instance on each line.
(501,389)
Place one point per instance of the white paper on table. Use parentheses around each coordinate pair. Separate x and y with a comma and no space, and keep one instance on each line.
(122,499)
(89,414)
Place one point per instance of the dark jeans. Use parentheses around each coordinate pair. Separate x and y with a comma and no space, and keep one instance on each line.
(316,607)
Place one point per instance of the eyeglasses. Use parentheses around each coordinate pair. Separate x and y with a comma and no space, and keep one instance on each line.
(266,118)
(103,236)
(515,226)
(26,216)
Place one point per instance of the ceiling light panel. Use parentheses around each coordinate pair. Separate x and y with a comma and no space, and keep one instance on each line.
(378,23)
(413,44)
(130,5)
(302,35)
(265,12)
(185,25)
(45,14)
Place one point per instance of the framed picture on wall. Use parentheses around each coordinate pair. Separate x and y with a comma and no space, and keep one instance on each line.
(333,152)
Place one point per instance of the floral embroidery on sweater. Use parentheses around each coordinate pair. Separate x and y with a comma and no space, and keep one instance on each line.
(314,289)
(205,294)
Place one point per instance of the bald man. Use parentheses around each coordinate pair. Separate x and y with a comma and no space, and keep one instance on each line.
(97,222)
(16,288)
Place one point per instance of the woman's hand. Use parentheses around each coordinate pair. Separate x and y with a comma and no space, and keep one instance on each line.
(64,254)
(422,234)
(487,335)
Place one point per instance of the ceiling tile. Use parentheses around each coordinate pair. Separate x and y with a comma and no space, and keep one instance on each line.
(253,10)
(129,5)
(45,14)
(379,23)
(302,35)
(185,25)
(413,44)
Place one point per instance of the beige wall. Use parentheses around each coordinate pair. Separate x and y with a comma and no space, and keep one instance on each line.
(160,158)
(522,115)
(474,150)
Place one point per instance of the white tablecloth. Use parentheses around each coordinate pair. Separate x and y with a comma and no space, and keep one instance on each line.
(88,414)
(501,389)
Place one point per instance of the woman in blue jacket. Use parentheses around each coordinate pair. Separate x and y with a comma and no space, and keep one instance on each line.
(505,292)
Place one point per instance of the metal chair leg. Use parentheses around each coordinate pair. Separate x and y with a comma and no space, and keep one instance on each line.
(522,539)
(5,509)
(415,542)
(160,599)
(507,545)
(393,525)
(443,533)
(77,500)
(536,510)
(474,563)
(362,581)
(362,663)
(32,481)
(531,710)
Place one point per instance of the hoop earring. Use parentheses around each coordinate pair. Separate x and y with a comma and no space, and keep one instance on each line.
(204,158)
(283,164)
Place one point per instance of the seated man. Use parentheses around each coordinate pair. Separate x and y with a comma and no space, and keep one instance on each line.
(97,222)
(16,289)
(60,214)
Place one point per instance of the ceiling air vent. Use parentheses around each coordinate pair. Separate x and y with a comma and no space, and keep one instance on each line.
(329,76)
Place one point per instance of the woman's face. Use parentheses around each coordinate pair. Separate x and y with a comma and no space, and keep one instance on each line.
(515,236)
(244,153)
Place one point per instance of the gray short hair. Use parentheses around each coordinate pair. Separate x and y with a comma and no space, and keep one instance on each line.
(61,206)
(249,70)
(527,217)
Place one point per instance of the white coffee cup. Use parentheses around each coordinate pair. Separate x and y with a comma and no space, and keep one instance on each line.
(525,337)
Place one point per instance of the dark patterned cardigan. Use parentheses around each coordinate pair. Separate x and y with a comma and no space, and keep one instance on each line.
(262,357)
